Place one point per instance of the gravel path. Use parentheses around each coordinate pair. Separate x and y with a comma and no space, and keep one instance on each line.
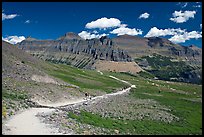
(26,122)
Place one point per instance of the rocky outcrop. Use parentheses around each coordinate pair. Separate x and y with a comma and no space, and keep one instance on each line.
(121,48)
(73,50)
(140,46)
(103,48)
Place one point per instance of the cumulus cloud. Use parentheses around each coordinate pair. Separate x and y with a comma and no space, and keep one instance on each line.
(200,26)
(104,23)
(181,38)
(124,30)
(155,32)
(11,16)
(13,39)
(88,35)
(178,35)
(144,15)
(181,17)
(27,21)
(123,25)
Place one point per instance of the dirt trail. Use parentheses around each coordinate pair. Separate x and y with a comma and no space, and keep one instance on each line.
(61,103)
(26,122)
(120,80)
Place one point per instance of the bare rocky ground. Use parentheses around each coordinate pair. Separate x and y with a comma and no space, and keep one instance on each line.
(38,92)
(32,85)
(127,108)
(117,66)
(121,107)
(58,119)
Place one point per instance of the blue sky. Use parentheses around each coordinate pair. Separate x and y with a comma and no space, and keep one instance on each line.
(180,22)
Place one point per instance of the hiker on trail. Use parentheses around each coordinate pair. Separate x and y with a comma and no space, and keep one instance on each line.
(86,95)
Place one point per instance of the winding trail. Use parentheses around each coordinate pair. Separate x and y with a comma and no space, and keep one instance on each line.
(26,122)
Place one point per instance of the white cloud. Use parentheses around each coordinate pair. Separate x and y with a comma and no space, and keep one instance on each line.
(181,17)
(155,32)
(104,23)
(178,35)
(178,39)
(27,21)
(200,26)
(13,39)
(123,30)
(88,35)
(181,38)
(11,16)
(123,25)
(144,15)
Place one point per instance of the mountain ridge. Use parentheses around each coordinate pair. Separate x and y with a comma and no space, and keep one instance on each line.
(121,48)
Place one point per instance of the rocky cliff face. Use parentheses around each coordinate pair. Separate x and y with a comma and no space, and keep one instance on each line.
(121,48)
(71,49)
(102,48)
(155,44)
(139,46)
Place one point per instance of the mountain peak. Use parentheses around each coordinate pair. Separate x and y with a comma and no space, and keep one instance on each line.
(29,38)
(70,35)
(126,36)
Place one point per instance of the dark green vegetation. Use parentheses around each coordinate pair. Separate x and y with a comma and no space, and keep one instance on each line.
(12,101)
(146,74)
(14,95)
(165,68)
(184,101)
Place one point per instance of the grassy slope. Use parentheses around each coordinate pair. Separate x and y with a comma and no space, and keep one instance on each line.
(190,113)
(85,79)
